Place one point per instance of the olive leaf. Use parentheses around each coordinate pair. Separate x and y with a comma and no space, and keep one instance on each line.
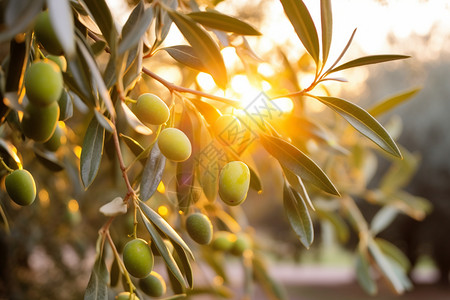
(97,288)
(362,121)
(102,15)
(327,28)
(61,18)
(301,20)
(368,60)
(18,15)
(185,55)
(91,153)
(293,159)
(363,274)
(152,174)
(388,104)
(219,21)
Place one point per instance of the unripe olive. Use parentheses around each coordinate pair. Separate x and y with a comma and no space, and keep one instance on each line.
(20,187)
(39,123)
(43,83)
(199,228)
(150,109)
(153,285)
(174,144)
(223,240)
(45,34)
(234,181)
(55,141)
(59,60)
(126,296)
(138,258)
(227,129)
(241,244)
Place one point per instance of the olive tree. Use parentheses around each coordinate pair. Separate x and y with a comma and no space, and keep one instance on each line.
(108,146)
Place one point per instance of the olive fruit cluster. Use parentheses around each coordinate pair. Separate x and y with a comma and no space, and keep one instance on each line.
(234,181)
(226,241)
(199,228)
(21,187)
(43,86)
(138,258)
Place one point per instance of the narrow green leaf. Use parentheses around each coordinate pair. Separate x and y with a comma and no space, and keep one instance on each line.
(297,184)
(135,27)
(133,121)
(362,121)
(368,60)
(159,222)
(152,174)
(395,253)
(255,182)
(103,18)
(185,55)
(203,45)
(49,160)
(61,18)
(97,77)
(388,104)
(363,274)
(163,22)
(298,216)
(386,267)
(303,24)
(186,265)
(343,52)
(97,288)
(132,144)
(162,249)
(219,21)
(383,219)
(327,28)
(91,153)
(104,121)
(293,159)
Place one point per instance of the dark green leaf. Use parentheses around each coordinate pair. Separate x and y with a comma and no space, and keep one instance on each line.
(104,121)
(18,58)
(97,288)
(65,106)
(162,249)
(255,182)
(203,45)
(392,102)
(134,67)
(368,60)
(362,121)
(293,159)
(97,77)
(91,153)
(298,216)
(159,222)
(98,47)
(219,21)
(363,274)
(297,184)
(133,121)
(327,27)
(61,18)
(49,160)
(163,22)
(104,20)
(185,55)
(152,174)
(135,27)
(304,26)
(386,267)
(186,265)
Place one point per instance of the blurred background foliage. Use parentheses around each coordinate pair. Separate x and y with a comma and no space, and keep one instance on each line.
(50,249)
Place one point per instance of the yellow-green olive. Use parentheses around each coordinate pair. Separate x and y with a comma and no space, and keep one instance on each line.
(21,187)
(126,296)
(56,139)
(174,144)
(138,258)
(241,244)
(153,285)
(43,83)
(223,240)
(234,181)
(46,35)
(150,109)
(39,123)
(199,228)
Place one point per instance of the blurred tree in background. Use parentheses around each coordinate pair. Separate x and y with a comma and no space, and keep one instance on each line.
(158,140)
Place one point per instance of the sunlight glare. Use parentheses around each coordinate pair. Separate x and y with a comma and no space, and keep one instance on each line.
(230,57)
(73,205)
(266,69)
(286,105)
(44,198)
(163,210)
(205,81)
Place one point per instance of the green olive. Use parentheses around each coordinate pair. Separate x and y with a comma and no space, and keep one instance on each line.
(138,258)
(59,60)
(43,83)
(46,35)
(126,296)
(227,129)
(153,285)
(21,187)
(174,144)
(150,109)
(55,141)
(199,228)
(241,244)
(223,240)
(234,181)
(39,123)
